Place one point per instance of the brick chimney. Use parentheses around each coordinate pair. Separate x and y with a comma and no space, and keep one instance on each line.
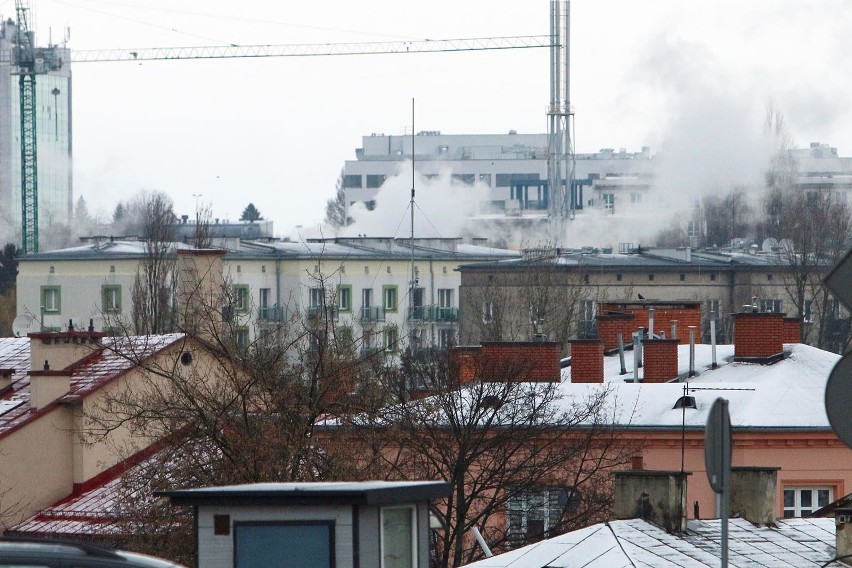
(587,361)
(534,361)
(52,359)
(529,361)
(200,294)
(753,494)
(660,358)
(685,312)
(792,330)
(658,497)
(843,535)
(609,326)
(758,337)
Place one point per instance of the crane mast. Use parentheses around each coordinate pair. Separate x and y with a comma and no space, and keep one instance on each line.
(25,61)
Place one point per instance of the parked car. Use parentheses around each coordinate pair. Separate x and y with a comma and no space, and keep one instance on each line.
(23,552)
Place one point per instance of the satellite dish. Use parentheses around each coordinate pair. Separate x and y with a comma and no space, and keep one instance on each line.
(838,389)
(769,245)
(786,246)
(24,324)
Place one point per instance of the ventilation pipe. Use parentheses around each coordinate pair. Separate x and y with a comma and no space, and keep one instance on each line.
(674,329)
(713,339)
(621,353)
(651,323)
(692,351)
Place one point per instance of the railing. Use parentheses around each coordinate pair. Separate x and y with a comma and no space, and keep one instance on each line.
(433,313)
(316,312)
(372,313)
(370,351)
(271,314)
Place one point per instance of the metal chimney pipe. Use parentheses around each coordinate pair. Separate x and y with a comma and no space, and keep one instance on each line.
(692,351)
(713,365)
(636,357)
(651,323)
(621,353)
(674,329)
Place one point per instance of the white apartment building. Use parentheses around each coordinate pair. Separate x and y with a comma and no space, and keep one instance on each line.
(514,167)
(364,284)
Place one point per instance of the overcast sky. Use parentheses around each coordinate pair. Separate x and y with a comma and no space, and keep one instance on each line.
(276,131)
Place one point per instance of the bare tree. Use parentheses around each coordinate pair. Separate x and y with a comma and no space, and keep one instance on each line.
(335,208)
(524,462)
(153,303)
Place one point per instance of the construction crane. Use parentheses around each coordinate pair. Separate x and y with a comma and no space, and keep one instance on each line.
(30,61)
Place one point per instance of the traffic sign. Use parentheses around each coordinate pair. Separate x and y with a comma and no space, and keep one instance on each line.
(838,394)
(717,445)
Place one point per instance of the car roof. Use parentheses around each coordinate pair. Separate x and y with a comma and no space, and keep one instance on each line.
(19,548)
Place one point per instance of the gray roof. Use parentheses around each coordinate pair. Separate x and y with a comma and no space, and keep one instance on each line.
(336,248)
(314,493)
(636,543)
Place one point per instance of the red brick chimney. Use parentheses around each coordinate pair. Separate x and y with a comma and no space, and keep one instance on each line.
(610,324)
(660,358)
(685,312)
(587,361)
(758,337)
(528,361)
(792,330)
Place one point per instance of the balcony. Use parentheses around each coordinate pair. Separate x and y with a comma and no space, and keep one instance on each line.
(372,314)
(367,351)
(271,314)
(321,312)
(433,313)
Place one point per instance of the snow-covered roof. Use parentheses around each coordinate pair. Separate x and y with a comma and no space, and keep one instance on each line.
(635,543)
(787,394)
(119,356)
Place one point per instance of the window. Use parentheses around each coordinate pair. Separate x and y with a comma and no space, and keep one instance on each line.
(534,513)
(682,277)
(486,179)
(389,298)
(241,298)
(391,338)
(286,544)
(397,538)
(608,200)
(51,299)
(802,501)
(536,313)
(487,312)
(771,306)
(713,277)
(467,179)
(351,181)
(445,297)
(344,298)
(367,297)
(650,277)
(446,338)
(111,299)
(635,198)
(241,337)
(588,323)
(375,180)
(316,298)
(808,313)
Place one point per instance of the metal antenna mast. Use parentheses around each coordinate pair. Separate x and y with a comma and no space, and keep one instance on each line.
(560,154)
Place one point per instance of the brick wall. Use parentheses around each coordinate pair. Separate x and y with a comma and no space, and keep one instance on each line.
(610,324)
(685,315)
(792,330)
(587,361)
(536,361)
(758,335)
(660,360)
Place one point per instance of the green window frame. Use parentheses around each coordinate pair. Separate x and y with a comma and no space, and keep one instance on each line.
(390,337)
(390,298)
(51,299)
(111,299)
(344,298)
(241,298)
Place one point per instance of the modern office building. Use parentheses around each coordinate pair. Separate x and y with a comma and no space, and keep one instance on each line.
(53,135)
